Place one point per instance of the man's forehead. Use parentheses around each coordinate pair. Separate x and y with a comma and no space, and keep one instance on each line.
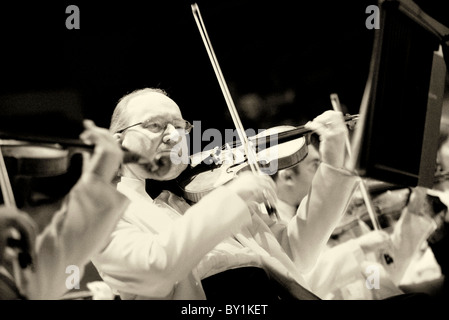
(152,102)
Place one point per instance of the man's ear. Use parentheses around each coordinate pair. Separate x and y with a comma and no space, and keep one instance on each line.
(118,137)
(287,176)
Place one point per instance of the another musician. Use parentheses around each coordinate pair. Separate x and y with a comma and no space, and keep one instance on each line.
(76,232)
(342,270)
(338,273)
(223,246)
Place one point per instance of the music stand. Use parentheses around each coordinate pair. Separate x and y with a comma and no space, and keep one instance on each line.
(396,137)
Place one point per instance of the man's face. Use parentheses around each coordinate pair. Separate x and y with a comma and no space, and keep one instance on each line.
(306,171)
(154,107)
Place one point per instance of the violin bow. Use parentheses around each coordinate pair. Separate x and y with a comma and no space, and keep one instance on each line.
(335,101)
(249,151)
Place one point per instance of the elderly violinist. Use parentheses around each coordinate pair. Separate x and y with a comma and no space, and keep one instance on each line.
(223,246)
(78,230)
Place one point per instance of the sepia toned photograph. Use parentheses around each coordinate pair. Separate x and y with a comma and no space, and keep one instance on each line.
(234,157)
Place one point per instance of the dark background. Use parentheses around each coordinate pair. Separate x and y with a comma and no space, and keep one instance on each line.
(281,59)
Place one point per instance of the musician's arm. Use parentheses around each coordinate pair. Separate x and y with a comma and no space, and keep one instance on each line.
(323,208)
(77,231)
(140,262)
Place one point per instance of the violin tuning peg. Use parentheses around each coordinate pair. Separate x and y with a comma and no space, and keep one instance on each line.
(215,155)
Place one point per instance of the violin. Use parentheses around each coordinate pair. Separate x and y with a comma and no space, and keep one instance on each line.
(23,158)
(276,149)
(46,156)
(211,169)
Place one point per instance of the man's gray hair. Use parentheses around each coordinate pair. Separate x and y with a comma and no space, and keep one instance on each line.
(119,119)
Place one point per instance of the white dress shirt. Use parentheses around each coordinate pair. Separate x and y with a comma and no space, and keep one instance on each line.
(78,230)
(154,250)
(157,254)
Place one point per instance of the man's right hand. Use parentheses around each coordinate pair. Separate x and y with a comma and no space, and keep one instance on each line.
(107,155)
(254,188)
(374,240)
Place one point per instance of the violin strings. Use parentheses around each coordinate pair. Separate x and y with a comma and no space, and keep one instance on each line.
(286,136)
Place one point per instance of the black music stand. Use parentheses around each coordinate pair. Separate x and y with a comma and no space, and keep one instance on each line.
(396,138)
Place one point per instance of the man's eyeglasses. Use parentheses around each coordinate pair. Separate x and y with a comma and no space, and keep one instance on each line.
(158,126)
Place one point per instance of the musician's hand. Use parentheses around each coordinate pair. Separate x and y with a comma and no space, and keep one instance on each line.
(107,155)
(254,188)
(11,218)
(331,128)
(373,241)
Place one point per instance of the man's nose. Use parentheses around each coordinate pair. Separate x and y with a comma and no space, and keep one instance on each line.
(171,135)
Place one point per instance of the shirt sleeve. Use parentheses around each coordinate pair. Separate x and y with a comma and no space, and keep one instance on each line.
(149,262)
(410,232)
(304,238)
(76,232)
(335,268)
